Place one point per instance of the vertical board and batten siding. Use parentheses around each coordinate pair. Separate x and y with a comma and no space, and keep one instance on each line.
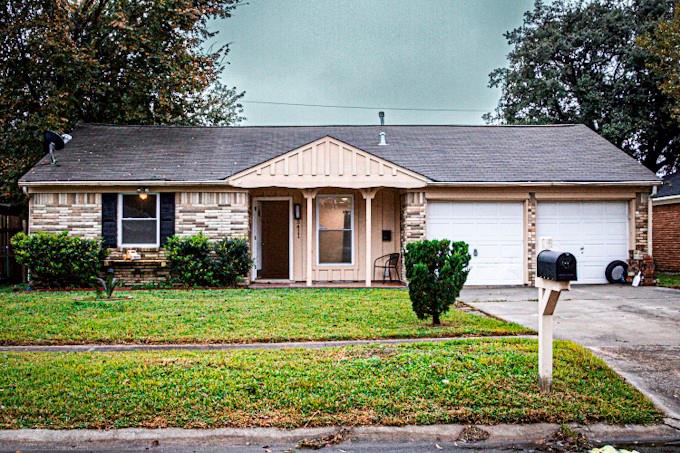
(327,163)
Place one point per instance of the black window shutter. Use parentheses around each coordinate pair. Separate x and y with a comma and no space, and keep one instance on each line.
(110,219)
(167,216)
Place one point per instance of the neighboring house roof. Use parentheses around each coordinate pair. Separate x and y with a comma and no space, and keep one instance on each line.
(670,187)
(564,153)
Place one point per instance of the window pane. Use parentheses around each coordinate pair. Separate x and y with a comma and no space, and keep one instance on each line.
(136,208)
(335,213)
(139,232)
(335,246)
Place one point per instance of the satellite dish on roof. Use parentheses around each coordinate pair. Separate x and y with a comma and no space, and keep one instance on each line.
(53,141)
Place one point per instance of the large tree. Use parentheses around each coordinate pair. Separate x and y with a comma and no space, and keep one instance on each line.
(579,62)
(664,44)
(106,61)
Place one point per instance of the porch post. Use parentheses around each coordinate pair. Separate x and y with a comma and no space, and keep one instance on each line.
(368,195)
(309,195)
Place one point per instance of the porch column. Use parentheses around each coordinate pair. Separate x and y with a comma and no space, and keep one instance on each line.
(309,195)
(368,195)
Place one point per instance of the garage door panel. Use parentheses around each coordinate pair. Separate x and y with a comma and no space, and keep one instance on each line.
(494,230)
(595,232)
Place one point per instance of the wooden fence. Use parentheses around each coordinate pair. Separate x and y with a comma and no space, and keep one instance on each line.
(10,271)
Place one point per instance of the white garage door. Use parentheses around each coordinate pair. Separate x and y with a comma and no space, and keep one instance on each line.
(494,231)
(596,233)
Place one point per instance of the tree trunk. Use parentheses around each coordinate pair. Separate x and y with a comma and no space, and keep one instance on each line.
(435,320)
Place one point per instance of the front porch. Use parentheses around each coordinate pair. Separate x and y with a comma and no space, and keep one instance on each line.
(326,237)
(323,213)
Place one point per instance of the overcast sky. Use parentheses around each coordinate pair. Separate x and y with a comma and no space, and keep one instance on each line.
(375,53)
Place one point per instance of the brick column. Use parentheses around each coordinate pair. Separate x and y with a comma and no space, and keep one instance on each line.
(532,240)
(413,221)
(640,258)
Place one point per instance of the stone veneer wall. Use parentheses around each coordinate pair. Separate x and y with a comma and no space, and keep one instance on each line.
(151,268)
(532,240)
(413,217)
(215,214)
(413,221)
(640,258)
(78,213)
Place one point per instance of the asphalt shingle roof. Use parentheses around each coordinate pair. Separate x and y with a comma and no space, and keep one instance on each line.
(671,186)
(565,153)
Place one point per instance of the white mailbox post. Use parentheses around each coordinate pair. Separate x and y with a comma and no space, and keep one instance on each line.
(548,293)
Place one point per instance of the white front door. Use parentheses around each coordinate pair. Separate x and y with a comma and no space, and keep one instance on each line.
(595,232)
(494,232)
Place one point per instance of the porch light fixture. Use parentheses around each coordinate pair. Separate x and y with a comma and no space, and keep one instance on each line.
(143,193)
(297,211)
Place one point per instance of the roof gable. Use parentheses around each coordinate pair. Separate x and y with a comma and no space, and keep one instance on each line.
(327,162)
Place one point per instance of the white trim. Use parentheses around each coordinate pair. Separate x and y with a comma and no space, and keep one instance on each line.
(318,225)
(223,182)
(119,220)
(291,247)
(670,199)
(543,184)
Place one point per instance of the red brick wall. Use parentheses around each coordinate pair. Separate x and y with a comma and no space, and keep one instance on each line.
(666,237)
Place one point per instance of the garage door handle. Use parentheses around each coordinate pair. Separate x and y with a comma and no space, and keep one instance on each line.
(474,252)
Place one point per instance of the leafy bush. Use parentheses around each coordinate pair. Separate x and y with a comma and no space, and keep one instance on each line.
(59,260)
(436,271)
(232,261)
(196,261)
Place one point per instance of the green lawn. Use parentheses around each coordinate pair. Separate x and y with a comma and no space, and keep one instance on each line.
(465,381)
(668,280)
(227,316)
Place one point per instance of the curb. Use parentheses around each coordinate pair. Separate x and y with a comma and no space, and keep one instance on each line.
(503,435)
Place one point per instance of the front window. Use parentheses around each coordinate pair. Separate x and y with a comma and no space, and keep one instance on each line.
(334,228)
(138,220)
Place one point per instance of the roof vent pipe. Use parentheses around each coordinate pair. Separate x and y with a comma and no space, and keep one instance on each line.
(381,115)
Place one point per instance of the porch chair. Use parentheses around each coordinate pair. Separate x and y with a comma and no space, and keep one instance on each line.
(388,263)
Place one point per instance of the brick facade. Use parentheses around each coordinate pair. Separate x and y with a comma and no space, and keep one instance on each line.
(639,258)
(413,221)
(666,237)
(532,240)
(413,217)
(151,268)
(78,213)
(215,214)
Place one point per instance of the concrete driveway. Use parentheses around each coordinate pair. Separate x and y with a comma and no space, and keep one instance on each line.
(636,330)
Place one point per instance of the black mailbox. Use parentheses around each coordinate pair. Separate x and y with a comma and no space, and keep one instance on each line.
(558,266)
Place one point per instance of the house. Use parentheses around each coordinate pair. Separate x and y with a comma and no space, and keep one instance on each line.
(666,225)
(321,203)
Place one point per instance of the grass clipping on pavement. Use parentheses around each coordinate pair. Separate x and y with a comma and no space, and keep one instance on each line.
(466,381)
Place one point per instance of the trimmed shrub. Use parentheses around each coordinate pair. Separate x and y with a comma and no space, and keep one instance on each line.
(197,261)
(57,260)
(232,261)
(436,271)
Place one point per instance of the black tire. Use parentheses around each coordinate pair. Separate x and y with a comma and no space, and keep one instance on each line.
(616,271)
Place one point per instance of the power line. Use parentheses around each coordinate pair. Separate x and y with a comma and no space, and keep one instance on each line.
(361,107)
